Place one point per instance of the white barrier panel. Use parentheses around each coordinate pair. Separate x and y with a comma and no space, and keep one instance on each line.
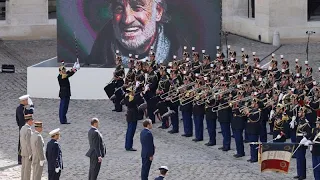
(87,83)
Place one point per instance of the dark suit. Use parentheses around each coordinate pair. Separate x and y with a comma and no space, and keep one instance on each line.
(147,151)
(54,158)
(64,95)
(97,149)
(159,178)
(20,122)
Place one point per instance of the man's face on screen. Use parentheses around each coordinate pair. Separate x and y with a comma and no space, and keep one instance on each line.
(134,22)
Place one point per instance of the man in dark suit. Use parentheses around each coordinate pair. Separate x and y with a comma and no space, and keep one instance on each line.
(65,92)
(97,149)
(54,156)
(163,172)
(148,148)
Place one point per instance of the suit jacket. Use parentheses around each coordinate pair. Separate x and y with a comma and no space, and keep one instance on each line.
(64,84)
(54,155)
(146,140)
(25,137)
(37,145)
(20,116)
(159,178)
(97,147)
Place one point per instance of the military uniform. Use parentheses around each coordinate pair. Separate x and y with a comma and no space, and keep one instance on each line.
(238,122)
(38,157)
(26,151)
(224,118)
(150,95)
(54,157)
(132,117)
(119,74)
(211,120)
(253,129)
(198,112)
(315,151)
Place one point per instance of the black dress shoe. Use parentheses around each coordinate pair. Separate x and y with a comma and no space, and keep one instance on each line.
(132,149)
(188,135)
(220,132)
(197,140)
(296,177)
(249,160)
(66,123)
(19,162)
(210,144)
(301,178)
(220,148)
(238,156)
(226,149)
(183,135)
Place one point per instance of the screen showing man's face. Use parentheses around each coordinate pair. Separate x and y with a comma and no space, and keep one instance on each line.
(134,22)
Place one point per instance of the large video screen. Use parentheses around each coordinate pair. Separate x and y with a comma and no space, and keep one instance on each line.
(93,30)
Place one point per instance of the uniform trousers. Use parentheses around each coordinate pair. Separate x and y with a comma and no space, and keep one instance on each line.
(131,129)
(19,150)
(226,134)
(211,126)
(238,137)
(253,147)
(146,164)
(316,171)
(263,131)
(165,122)
(301,161)
(175,119)
(94,168)
(53,175)
(198,124)
(36,170)
(150,110)
(26,168)
(64,105)
(187,122)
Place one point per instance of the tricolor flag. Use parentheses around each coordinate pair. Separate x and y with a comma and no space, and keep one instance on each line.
(276,156)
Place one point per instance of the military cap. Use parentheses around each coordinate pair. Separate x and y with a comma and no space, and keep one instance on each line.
(28,117)
(164,168)
(54,132)
(38,124)
(24,97)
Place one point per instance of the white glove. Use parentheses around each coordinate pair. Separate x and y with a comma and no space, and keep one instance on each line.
(308,143)
(278,137)
(41,163)
(30,157)
(30,102)
(271,114)
(294,118)
(280,97)
(292,124)
(78,66)
(57,170)
(303,141)
(137,84)
(146,88)
(74,65)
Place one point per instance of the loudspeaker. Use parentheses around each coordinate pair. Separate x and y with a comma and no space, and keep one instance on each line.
(7,68)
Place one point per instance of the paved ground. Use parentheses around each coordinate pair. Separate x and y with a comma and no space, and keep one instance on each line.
(186,159)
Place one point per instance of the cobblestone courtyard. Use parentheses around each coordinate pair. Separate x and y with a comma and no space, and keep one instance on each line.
(186,159)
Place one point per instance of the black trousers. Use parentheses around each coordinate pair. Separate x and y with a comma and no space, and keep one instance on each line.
(19,152)
(146,164)
(53,175)
(94,168)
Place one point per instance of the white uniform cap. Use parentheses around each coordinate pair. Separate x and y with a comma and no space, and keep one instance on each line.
(164,167)
(24,97)
(203,51)
(184,47)
(297,60)
(229,46)
(218,47)
(254,53)
(117,51)
(54,132)
(174,57)
(242,49)
(281,56)
(130,55)
(137,56)
(193,48)
(151,47)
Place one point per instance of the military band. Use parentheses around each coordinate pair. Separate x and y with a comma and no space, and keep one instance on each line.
(243,98)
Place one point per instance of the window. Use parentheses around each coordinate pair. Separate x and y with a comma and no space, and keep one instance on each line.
(2,9)
(251,8)
(52,9)
(313,10)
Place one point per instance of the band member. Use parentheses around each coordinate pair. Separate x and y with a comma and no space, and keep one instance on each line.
(118,80)
(238,125)
(97,149)
(315,138)
(198,112)
(253,129)
(20,118)
(132,113)
(65,92)
(54,155)
(186,108)
(38,157)
(26,151)
(162,92)
(280,124)
(150,92)
(147,148)
(303,130)
(163,172)
(211,119)
(174,104)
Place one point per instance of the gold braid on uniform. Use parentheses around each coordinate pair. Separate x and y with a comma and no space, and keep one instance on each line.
(252,121)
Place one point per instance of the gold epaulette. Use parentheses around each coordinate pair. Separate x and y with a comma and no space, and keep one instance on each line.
(131,98)
(285,117)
